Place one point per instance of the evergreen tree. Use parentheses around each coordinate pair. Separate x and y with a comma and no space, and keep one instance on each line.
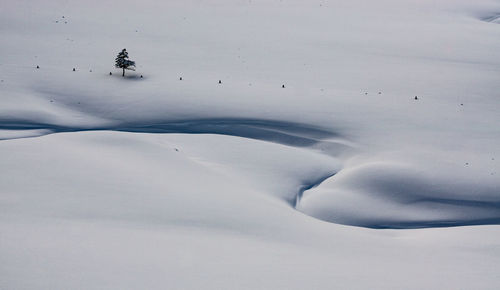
(122,61)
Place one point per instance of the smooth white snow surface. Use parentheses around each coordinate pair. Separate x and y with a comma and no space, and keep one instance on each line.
(339,180)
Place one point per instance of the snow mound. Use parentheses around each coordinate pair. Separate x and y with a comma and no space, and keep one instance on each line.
(385,195)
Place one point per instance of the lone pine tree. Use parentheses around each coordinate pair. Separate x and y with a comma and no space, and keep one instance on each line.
(122,61)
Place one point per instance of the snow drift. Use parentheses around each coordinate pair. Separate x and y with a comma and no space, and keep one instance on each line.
(335,123)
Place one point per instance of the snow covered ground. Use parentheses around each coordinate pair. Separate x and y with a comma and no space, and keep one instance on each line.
(376,166)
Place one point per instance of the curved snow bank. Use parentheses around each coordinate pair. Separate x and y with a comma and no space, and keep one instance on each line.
(281,132)
(384,195)
(310,185)
(15,134)
(493,19)
(288,133)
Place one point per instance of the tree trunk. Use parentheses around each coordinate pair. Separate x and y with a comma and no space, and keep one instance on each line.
(123,73)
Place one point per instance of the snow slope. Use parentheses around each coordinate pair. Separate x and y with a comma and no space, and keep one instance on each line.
(341,179)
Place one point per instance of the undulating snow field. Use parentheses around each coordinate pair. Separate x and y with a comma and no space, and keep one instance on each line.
(341,179)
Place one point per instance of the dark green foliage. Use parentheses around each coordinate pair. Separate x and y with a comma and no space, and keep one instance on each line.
(122,61)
